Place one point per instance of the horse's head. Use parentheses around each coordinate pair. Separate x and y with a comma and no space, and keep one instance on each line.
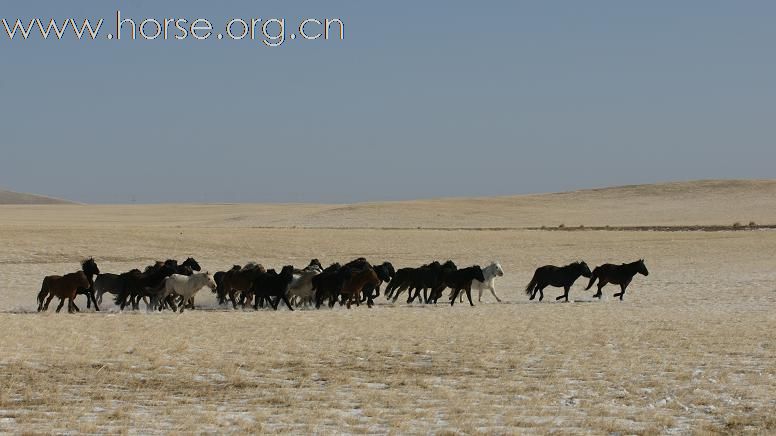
(192,263)
(450,266)
(315,263)
(584,270)
(211,283)
(383,273)
(642,267)
(499,270)
(89,266)
(389,268)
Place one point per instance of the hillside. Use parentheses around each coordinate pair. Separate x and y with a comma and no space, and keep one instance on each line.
(713,202)
(10,197)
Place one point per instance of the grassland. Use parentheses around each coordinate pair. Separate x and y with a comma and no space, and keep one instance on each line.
(690,350)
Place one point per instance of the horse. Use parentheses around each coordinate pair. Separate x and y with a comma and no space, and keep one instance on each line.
(187,268)
(562,277)
(439,281)
(190,263)
(184,286)
(461,280)
(314,265)
(385,273)
(89,292)
(416,279)
(400,280)
(617,275)
(368,292)
(327,284)
(67,286)
(427,276)
(111,283)
(240,280)
(363,280)
(218,277)
(271,284)
(490,272)
(301,288)
(140,285)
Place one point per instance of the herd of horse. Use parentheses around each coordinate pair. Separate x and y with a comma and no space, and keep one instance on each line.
(172,285)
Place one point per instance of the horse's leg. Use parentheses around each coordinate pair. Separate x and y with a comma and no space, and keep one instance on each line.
(479,297)
(565,294)
(288,303)
(469,296)
(541,294)
(399,292)
(61,303)
(276,303)
(601,285)
(455,295)
(623,287)
(48,301)
(94,300)
(72,302)
(493,291)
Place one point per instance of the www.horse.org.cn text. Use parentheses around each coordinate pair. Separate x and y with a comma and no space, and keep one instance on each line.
(271,32)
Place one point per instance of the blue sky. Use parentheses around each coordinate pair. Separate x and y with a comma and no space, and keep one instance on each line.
(420,99)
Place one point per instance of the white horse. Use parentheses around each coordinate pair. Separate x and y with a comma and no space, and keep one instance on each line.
(301,289)
(184,286)
(489,273)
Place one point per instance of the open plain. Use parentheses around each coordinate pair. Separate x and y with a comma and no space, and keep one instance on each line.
(691,349)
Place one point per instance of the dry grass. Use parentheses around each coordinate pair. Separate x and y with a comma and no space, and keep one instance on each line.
(690,350)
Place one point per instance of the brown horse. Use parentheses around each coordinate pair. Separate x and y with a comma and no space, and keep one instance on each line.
(66,287)
(365,279)
(241,280)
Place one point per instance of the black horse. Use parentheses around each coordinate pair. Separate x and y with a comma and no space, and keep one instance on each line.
(429,276)
(140,285)
(461,280)
(91,270)
(561,277)
(218,277)
(328,284)
(399,283)
(617,275)
(271,284)
(438,282)
(385,273)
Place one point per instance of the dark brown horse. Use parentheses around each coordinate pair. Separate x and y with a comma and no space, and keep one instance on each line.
(617,275)
(241,281)
(66,287)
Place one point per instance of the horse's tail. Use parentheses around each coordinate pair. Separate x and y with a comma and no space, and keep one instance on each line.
(44,290)
(593,277)
(531,285)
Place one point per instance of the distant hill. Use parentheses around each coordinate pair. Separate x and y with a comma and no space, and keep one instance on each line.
(9,197)
(696,203)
